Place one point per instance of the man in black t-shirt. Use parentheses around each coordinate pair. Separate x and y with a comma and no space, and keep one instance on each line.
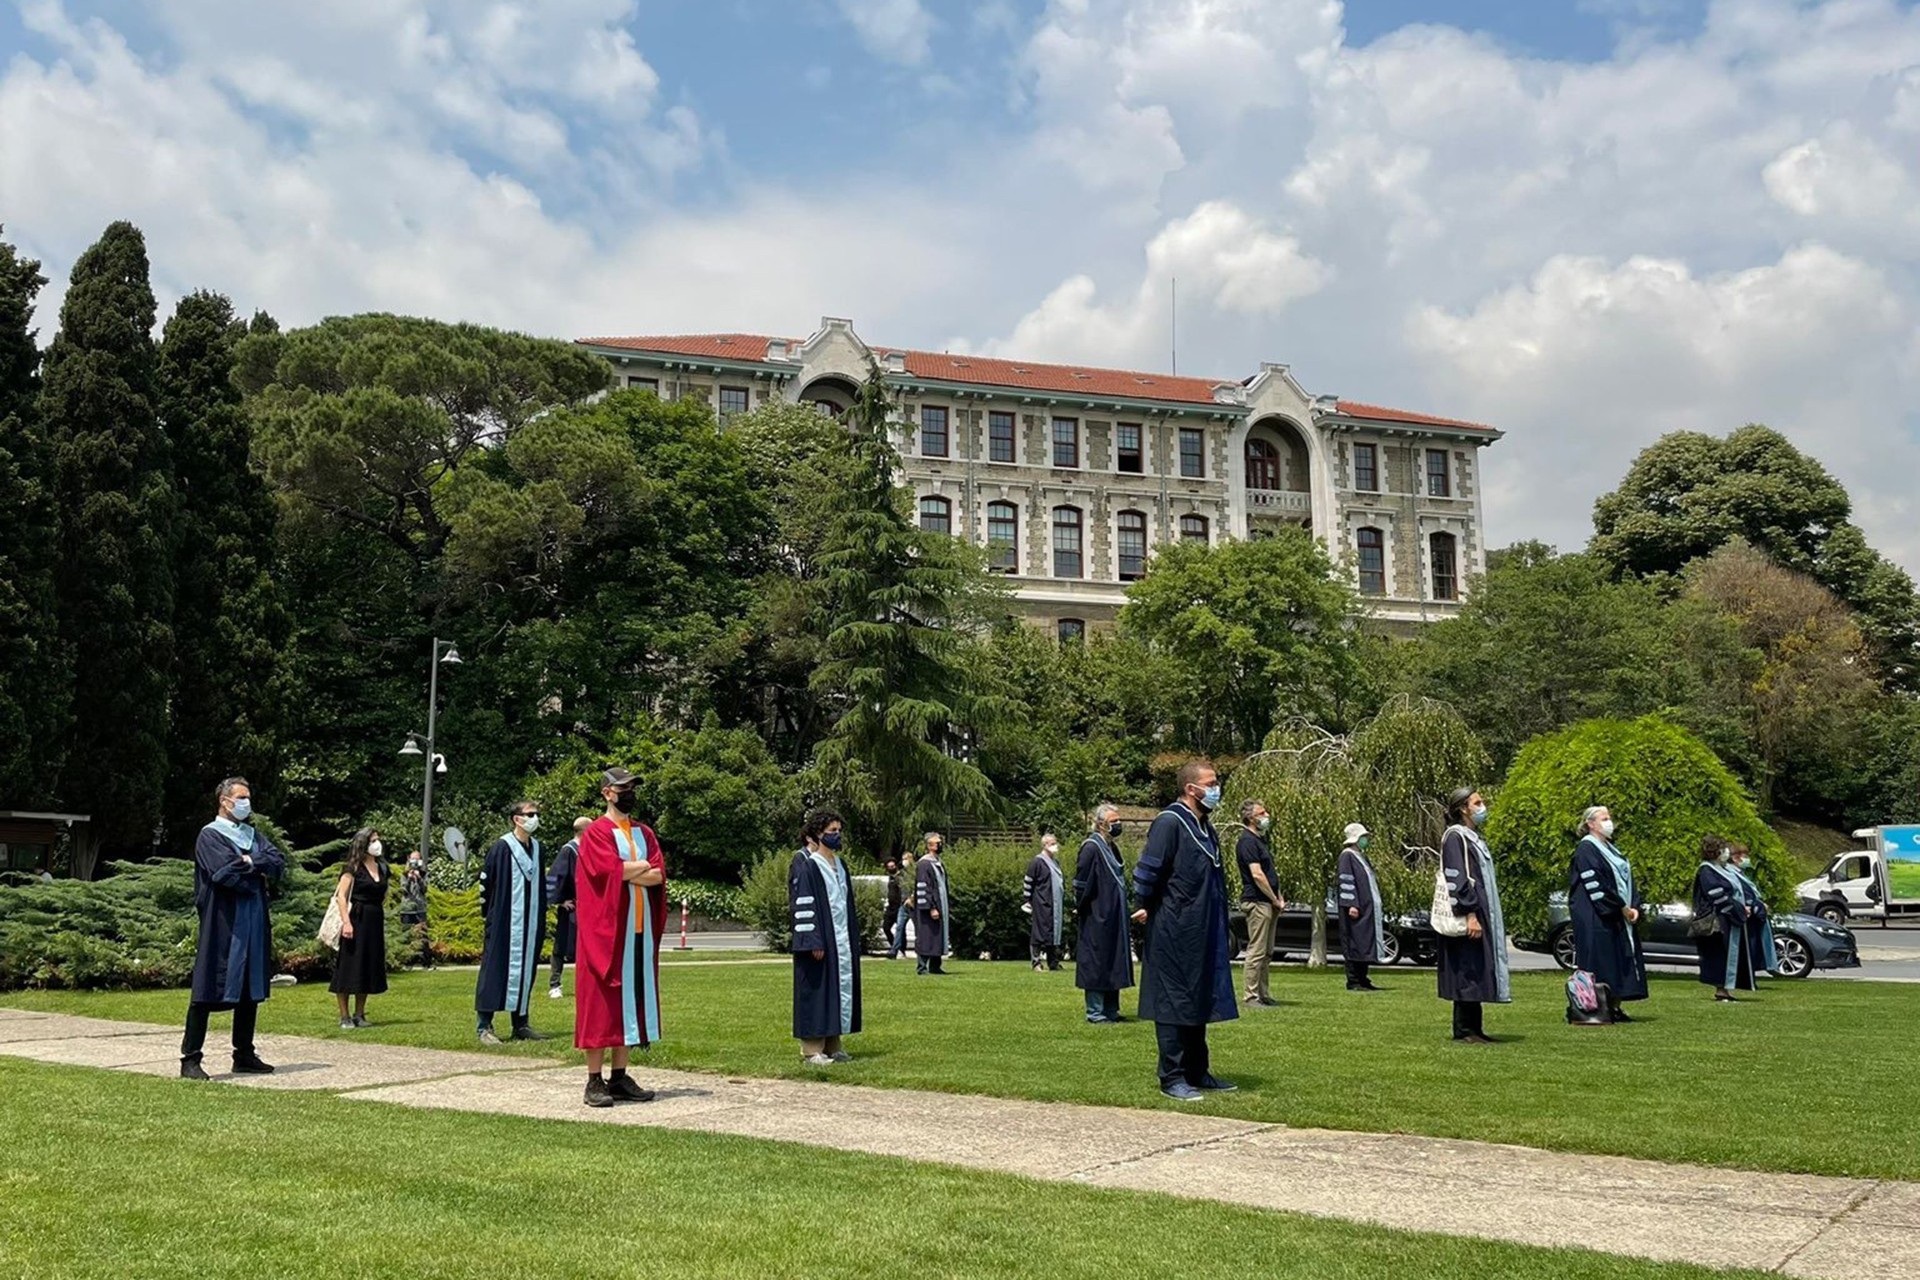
(1260,896)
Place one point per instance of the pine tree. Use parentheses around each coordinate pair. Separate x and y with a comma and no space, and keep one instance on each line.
(35,683)
(897,665)
(230,621)
(113,490)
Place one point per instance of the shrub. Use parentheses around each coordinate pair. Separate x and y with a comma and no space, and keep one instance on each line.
(1666,791)
(762,904)
(985,889)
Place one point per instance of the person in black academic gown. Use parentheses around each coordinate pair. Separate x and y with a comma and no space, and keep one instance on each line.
(1473,969)
(1605,903)
(1189,965)
(232,866)
(826,942)
(514,911)
(1045,904)
(1102,950)
(561,895)
(930,908)
(1721,917)
(1361,940)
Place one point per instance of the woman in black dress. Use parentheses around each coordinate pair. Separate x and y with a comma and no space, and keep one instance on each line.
(362,892)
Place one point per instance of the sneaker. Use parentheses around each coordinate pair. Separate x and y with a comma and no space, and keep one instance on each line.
(346,1024)
(627,1089)
(190,1069)
(488,1039)
(1214,1084)
(818,1060)
(553,992)
(1181,1091)
(528,1033)
(1621,1015)
(598,1095)
(250,1065)
(360,1020)
(1099,1020)
(842,1056)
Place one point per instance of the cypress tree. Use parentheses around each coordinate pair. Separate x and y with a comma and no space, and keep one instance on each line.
(35,684)
(113,490)
(230,622)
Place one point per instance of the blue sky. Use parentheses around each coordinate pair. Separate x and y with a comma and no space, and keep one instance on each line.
(1587,222)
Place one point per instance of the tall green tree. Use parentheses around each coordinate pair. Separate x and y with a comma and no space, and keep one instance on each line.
(35,680)
(113,488)
(230,621)
(903,604)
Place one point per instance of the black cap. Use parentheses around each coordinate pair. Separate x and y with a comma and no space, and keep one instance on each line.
(618,778)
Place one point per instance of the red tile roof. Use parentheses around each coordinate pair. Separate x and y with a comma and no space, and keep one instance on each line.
(1062,379)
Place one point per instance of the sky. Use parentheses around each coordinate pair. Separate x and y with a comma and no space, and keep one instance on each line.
(1586,222)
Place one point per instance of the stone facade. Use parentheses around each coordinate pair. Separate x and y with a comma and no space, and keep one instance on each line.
(1395,495)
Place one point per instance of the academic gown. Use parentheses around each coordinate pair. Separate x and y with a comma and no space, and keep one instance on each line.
(1360,936)
(233,959)
(515,913)
(930,895)
(1473,969)
(1189,975)
(826,992)
(560,890)
(1604,944)
(1762,953)
(1043,886)
(617,930)
(1715,894)
(1102,952)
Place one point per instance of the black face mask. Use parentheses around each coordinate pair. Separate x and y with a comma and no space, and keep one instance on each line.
(624,801)
(1113,832)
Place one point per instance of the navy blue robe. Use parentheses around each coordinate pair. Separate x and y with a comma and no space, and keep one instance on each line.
(1179,880)
(1473,970)
(819,1009)
(1715,895)
(1604,944)
(1045,924)
(1102,951)
(1359,935)
(491,993)
(234,957)
(930,895)
(560,896)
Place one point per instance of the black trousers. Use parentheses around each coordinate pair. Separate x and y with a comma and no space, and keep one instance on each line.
(518,1020)
(245,1016)
(928,964)
(1466,1019)
(562,944)
(1357,973)
(1183,1053)
(1044,953)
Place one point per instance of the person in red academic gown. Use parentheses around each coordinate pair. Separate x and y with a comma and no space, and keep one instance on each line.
(620,910)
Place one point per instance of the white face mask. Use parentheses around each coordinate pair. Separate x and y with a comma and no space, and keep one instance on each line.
(1052,850)
(531,822)
(376,848)
(1606,828)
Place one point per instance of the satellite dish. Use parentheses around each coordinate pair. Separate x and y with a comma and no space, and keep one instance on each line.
(456,843)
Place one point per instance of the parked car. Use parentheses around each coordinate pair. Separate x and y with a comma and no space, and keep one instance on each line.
(1804,942)
(1409,938)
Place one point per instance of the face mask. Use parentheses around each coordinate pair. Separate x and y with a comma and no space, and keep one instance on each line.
(1113,832)
(1210,798)
(1480,816)
(1362,843)
(623,801)
(531,822)
(831,840)
(1262,825)
(1606,829)
(376,848)
(1724,858)
(242,809)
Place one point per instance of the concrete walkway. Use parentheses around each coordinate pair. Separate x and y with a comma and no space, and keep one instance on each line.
(1797,1225)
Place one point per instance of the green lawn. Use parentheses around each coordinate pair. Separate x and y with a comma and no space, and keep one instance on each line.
(1771,1083)
(104,1174)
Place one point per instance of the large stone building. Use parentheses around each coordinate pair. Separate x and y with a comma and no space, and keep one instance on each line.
(1071,476)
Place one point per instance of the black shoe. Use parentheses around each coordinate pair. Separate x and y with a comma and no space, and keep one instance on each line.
(1214,1084)
(598,1095)
(250,1065)
(190,1069)
(1621,1015)
(627,1089)
(528,1033)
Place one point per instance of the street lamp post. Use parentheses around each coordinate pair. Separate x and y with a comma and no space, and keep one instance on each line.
(414,747)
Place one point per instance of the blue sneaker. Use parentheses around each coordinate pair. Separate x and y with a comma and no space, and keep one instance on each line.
(1181,1091)
(1213,1084)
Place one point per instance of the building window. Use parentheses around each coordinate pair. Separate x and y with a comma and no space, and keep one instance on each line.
(1193,453)
(733,400)
(1263,465)
(933,431)
(1066,542)
(1193,529)
(1439,482)
(1373,561)
(1133,545)
(1366,468)
(1003,537)
(1072,631)
(1127,453)
(1446,571)
(1066,442)
(644,384)
(936,515)
(1000,437)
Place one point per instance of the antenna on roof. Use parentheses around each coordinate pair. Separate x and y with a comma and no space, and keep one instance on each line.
(1174,324)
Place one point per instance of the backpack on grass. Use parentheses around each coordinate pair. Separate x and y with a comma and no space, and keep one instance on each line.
(1587,1000)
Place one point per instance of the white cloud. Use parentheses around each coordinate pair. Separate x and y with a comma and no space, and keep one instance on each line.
(896,30)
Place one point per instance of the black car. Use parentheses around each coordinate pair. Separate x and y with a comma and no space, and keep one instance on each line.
(1804,943)
(1409,938)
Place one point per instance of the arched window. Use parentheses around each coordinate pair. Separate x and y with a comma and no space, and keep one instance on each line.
(1372,546)
(936,514)
(1193,529)
(1263,465)
(1133,545)
(1003,537)
(1066,542)
(1446,570)
(1071,631)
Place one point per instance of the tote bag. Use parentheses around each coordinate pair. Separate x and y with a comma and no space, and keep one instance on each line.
(330,925)
(1445,923)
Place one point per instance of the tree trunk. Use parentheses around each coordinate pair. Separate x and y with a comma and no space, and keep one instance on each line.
(1317,956)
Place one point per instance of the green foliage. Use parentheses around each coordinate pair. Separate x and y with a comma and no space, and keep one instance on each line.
(455,928)
(113,489)
(1666,790)
(985,889)
(721,799)
(1256,630)
(707,898)
(762,905)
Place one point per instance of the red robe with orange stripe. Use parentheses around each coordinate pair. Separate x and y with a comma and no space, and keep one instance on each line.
(603,920)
